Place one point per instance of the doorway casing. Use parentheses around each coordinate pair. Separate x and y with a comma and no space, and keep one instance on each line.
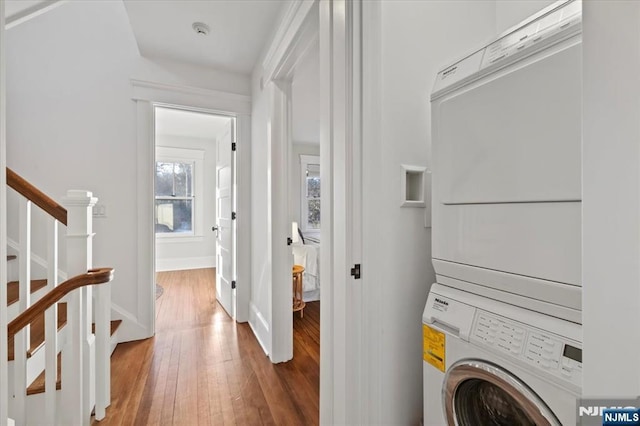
(336,25)
(148,95)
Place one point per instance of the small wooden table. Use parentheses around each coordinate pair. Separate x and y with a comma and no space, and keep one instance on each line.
(298,303)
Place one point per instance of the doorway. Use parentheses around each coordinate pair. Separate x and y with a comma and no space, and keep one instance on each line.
(337,27)
(305,201)
(194,197)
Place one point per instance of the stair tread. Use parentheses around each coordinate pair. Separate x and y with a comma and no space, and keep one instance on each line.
(13,290)
(39,383)
(37,332)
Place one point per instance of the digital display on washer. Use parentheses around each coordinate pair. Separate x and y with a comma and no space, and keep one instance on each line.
(573,353)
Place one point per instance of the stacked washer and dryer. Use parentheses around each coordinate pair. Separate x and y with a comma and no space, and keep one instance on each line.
(502,327)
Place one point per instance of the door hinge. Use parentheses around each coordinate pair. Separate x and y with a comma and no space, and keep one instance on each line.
(355,271)
(233,285)
(289,241)
(233,146)
(233,215)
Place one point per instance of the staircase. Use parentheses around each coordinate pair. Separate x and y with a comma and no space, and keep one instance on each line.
(60,336)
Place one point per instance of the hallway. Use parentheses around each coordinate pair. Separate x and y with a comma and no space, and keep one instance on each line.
(203,368)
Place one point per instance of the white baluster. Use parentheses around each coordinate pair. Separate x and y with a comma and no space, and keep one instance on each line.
(51,322)
(21,339)
(103,349)
(78,371)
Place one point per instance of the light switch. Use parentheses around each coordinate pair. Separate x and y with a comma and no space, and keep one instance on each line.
(100,211)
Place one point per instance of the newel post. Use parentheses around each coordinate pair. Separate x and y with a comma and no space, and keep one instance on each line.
(78,364)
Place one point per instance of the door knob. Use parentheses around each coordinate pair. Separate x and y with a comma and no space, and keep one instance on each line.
(215,229)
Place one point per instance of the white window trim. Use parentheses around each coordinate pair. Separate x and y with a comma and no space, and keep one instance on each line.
(196,156)
(305,160)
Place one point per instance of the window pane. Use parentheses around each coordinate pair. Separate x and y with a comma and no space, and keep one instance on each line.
(174,216)
(174,179)
(313,214)
(164,179)
(183,174)
(313,187)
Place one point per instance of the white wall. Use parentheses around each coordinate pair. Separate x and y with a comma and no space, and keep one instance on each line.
(305,121)
(611,199)
(511,12)
(295,179)
(176,253)
(305,99)
(260,298)
(72,123)
(417,39)
(260,304)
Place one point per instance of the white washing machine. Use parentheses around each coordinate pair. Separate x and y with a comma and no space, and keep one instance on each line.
(485,364)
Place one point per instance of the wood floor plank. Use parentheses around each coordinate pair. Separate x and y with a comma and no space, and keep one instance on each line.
(202,368)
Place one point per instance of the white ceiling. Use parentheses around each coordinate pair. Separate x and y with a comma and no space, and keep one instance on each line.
(175,122)
(239,30)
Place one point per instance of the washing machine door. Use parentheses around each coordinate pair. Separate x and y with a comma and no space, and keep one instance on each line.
(479,393)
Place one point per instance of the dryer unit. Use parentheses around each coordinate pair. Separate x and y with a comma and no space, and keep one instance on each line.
(506,127)
(484,364)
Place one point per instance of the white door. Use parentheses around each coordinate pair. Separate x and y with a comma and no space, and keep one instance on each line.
(225,229)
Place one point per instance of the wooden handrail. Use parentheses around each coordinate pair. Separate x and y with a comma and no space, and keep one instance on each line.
(36,196)
(93,276)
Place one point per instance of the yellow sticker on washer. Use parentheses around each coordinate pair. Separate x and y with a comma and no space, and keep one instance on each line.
(433,347)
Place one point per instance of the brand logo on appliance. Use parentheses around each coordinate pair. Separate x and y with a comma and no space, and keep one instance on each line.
(450,71)
(442,302)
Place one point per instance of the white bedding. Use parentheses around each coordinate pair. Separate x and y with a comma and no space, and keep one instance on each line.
(308,256)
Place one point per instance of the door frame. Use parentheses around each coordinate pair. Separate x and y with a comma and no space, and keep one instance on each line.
(148,95)
(4,383)
(337,28)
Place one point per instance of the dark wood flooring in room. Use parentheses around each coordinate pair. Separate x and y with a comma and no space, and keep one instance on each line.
(202,368)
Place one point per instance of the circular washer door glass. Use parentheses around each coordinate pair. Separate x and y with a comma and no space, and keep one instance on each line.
(478,402)
(480,393)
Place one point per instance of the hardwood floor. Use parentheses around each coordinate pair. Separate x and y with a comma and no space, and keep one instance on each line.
(202,368)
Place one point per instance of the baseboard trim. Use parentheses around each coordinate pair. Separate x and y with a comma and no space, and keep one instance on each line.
(130,329)
(259,326)
(182,263)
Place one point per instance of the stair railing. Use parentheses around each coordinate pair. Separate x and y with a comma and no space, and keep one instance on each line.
(85,355)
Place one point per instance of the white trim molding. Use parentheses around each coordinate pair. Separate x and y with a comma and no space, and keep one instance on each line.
(211,100)
(342,374)
(39,8)
(287,37)
(4,382)
(149,95)
(260,327)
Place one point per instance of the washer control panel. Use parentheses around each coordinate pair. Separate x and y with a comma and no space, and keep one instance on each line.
(546,351)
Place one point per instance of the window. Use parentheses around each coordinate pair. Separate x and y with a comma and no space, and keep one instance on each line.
(310,197)
(177,182)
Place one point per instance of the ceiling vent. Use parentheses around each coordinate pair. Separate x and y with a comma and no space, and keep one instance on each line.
(200,28)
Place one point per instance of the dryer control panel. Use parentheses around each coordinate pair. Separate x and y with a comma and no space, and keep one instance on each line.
(549,352)
(549,27)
